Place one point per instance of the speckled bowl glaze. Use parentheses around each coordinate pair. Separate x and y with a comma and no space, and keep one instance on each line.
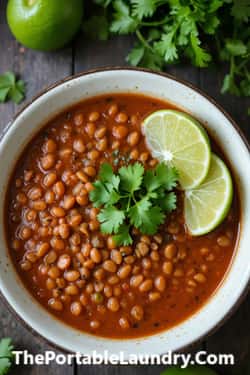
(75,89)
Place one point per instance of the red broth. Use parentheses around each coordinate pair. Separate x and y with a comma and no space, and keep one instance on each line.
(69,266)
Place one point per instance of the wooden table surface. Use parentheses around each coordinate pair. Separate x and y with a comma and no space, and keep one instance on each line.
(42,69)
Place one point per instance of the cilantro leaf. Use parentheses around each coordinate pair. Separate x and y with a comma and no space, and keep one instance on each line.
(167,175)
(229,85)
(10,88)
(107,175)
(241,9)
(103,194)
(16,93)
(122,22)
(7,79)
(150,182)
(144,8)
(114,197)
(212,24)
(133,197)
(168,32)
(162,176)
(131,177)
(245,86)
(123,236)
(5,364)
(6,355)
(111,218)
(197,54)
(136,54)
(99,195)
(151,219)
(3,94)
(167,47)
(236,47)
(6,348)
(167,202)
(141,55)
(105,189)
(152,60)
(137,211)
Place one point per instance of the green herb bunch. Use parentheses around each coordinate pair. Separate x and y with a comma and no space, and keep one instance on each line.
(6,355)
(11,88)
(133,197)
(168,31)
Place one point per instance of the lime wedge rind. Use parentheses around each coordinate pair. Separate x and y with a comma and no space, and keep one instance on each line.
(210,201)
(179,140)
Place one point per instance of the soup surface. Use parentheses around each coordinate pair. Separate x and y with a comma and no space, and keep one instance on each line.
(60,254)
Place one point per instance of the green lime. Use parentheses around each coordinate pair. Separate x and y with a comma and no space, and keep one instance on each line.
(44,24)
(190,370)
(206,206)
(179,140)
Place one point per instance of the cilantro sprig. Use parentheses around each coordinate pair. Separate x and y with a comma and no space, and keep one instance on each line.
(6,355)
(169,31)
(133,197)
(11,88)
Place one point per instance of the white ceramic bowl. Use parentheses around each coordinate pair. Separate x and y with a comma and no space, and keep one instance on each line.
(71,91)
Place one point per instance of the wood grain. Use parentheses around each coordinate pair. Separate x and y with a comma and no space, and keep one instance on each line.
(233,338)
(89,55)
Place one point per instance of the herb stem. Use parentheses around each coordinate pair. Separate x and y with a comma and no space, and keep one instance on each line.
(143,40)
(244,62)
(155,23)
(232,66)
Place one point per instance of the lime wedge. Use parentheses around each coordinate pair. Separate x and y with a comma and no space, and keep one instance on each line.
(179,140)
(206,206)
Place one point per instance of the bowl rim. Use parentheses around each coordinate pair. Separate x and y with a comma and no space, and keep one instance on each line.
(50,87)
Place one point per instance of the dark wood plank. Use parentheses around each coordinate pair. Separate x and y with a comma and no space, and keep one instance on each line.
(38,70)
(89,55)
(187,73)
(233,338)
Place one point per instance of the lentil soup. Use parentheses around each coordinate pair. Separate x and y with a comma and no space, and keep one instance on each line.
(76,272)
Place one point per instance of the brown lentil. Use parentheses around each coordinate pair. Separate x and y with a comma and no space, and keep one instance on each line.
(109,266)
(64,262)
(113,304)
(170,251)
(135,281)
(72,275)
(137,312)
(124,271)
(223,241)
(200,278)
(95,255)
(55,304)
(146,286)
